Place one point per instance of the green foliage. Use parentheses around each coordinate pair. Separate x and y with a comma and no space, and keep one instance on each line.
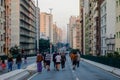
(110,59)
(44,45)
(113,55)
(14,50)
(74,51)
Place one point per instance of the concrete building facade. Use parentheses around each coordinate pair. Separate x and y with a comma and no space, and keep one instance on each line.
(77,35)
(2,30)
(72,22)
(46,25)
(117,26)
(107,23)
(23,24)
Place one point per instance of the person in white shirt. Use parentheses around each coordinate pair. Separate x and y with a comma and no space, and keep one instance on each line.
(78,59)
(58,61)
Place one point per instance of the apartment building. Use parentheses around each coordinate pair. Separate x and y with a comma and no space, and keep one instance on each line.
(55,33)
(23,24)
(2,30)
(77,35)
(107,24)
(46,25)
(117,26)
(87,35)
(7,26)
(59,34)
(72,22)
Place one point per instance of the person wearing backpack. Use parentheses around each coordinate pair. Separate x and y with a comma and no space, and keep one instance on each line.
(18,61)
(74,59)
(63,59)
(54,60)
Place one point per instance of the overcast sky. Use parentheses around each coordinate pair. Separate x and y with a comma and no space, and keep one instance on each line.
(62,10)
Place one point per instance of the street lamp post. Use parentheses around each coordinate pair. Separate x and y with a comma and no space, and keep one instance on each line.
(50,29)
(37,26)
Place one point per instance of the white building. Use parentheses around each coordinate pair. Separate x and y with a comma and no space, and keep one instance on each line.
(107,23)
(117,30)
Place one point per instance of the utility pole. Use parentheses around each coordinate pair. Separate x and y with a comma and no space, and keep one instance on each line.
(37,26)
(50,29)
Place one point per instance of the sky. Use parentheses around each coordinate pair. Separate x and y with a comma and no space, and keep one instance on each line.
(61,10)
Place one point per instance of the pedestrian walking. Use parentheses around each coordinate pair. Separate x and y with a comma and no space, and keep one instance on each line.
(10,62)
(3,65)
(39,62)
(58,61)
(18,61)
(54,60)
(48,60)
(25,59)
(74,59)
(78,59)
(63,59)
(0,64)
(44,61)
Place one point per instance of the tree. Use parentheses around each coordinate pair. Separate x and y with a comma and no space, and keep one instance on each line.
(44,45)
(14,50)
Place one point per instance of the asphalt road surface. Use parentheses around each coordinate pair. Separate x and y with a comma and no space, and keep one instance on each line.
(84,72)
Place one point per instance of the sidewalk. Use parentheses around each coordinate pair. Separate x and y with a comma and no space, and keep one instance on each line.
(114,70)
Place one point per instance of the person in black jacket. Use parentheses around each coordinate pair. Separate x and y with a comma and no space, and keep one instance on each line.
(18,61)
(63,59)
(54,60)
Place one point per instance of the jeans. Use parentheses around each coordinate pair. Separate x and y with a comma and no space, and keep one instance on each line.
(10,66)
(18,65)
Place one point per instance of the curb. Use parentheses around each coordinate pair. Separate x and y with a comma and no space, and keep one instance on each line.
(15,75)
(114,70)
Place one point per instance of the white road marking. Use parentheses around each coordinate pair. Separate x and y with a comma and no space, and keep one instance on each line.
(32,76)
(73,72)
(77,78)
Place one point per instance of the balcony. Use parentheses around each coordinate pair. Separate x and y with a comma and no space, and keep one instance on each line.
(2,42)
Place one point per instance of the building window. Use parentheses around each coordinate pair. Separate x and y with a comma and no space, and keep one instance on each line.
(116,19)
(117,3)
(117,35)
(117,49)
(119,18)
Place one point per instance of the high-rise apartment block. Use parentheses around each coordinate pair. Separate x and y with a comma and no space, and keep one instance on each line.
(46,25)
(2,25)
(23,24)
(107,25)
(74,33)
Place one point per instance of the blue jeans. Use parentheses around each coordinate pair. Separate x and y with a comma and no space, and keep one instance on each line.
(10,66)
(18,65)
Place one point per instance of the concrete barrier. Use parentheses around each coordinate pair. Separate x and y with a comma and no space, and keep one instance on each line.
(15,75)
(105,67)
(32,67)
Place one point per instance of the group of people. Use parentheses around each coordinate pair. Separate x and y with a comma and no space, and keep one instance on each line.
(57,58)
(10,62)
